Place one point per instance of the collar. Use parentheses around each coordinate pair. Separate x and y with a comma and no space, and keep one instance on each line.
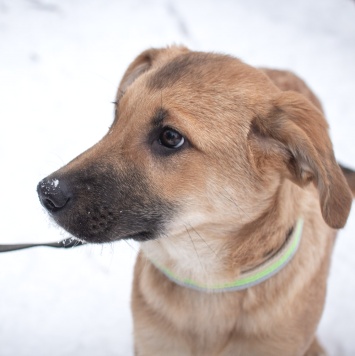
(252,277)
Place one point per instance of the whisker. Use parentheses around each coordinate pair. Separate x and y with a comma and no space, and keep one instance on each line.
(194,246)
(134,249)
(207,244)
(235,204)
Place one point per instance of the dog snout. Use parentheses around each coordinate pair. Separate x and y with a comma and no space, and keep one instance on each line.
(53,194)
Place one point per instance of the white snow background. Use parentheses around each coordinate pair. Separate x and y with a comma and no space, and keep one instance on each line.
(60,64)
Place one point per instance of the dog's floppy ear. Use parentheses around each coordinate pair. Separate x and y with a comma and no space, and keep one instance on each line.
(295,136)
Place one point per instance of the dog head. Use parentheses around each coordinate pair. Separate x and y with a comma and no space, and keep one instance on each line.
(198,139)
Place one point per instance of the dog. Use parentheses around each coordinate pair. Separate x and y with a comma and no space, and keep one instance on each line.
(226,176)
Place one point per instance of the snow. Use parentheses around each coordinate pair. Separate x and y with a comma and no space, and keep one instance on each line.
(60,63)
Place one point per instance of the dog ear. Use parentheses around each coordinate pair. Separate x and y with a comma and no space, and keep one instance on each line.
(140,65)
(295,136)
(144,62)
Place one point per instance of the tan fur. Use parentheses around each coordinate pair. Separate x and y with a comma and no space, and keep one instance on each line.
(259,157)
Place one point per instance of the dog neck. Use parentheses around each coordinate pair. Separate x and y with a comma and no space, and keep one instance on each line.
(248,278)
(212,255)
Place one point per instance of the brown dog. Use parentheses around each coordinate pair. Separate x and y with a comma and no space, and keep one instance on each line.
(215,167)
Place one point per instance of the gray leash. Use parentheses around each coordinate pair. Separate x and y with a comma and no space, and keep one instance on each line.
(67,243)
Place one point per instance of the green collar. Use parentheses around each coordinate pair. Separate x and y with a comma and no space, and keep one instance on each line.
(251,277)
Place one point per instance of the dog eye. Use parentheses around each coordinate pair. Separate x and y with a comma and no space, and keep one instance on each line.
(170,138)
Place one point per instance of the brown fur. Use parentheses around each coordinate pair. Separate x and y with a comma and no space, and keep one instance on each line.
(257,156)
(288,138)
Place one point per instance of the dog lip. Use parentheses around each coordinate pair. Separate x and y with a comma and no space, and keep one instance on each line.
(136,236)
(142,236)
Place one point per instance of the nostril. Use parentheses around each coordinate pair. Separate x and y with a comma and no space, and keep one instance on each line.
(53,194)
(55,204)
(49,203)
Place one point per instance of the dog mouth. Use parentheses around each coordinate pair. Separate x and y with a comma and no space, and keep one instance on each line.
(140,236)
(101,205)
(135,236)
(103,224)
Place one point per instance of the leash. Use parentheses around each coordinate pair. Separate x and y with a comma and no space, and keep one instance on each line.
(67,243)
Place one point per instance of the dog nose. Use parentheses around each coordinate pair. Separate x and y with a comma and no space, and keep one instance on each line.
(53,194)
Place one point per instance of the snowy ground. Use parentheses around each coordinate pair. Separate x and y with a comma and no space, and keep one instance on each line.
(60,63)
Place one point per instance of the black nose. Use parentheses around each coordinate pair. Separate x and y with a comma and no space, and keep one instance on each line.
(53,194)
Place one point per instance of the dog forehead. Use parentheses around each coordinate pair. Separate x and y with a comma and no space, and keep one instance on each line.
(210,81)
(193,67)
